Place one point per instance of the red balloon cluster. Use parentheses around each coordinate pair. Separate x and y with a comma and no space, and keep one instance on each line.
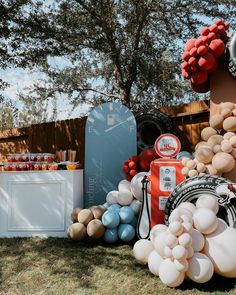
(201,54)
(140,163)
(131,167)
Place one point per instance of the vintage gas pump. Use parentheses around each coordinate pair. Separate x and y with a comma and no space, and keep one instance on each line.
(165,175)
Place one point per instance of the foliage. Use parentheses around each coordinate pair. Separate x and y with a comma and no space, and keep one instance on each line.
(115,50)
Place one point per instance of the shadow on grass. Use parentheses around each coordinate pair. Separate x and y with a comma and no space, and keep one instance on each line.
(78,260)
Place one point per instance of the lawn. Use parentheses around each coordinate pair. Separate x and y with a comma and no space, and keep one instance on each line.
(61,266)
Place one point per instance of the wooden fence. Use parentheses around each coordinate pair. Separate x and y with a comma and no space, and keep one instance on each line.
(47,137)
(188,121)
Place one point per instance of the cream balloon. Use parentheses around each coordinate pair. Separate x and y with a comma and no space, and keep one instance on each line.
(220,248)
(141,250)
(125,198)
(169,275)
(185,240)
(124,185)
(200,268)
(154,261)
(181,265)
(171,240)
(159,243)
(112,197)
(208,201)
(158,228)
(198,240)
(205,220)
(190,252)
(176,228)
(179,252)
(167,252)
(136,185)
(189,206)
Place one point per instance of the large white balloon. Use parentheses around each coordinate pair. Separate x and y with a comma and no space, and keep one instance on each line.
(124,185)
(169,275)
(208,201)
(205,220)
(136,185)
(220,248)
(112,197)
(200,268)
(154,261)
(141,250)
(158,228)
(189,206)
(125,197)
(159,243)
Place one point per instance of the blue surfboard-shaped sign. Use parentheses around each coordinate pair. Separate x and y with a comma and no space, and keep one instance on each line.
(110,139)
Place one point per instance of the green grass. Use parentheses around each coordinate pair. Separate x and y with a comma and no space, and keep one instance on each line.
(61,266)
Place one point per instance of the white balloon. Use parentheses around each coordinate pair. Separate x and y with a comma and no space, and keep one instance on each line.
(183,211)
(136,185)
(198,240)
(159,243)
(169,275)
(171,240)
(124,185)
(158,228)
(179,252)
(141,250)
(200,268)
(187,227)
(112,197)
(189,206)
(220,248)
(185,240)
(181,265)
(136,206)
(176,228)
(125,198)
(174,217)
(208,201)
(190,252)
(205,220)
(167,252)
(154,261)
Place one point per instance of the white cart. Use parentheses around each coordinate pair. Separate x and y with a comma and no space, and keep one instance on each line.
(38,203)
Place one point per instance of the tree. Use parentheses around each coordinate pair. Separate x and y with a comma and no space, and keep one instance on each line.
(129,49)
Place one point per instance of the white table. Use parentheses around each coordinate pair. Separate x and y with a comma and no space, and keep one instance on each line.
(38,203)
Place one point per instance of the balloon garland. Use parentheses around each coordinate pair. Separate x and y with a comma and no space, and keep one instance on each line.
(200,57)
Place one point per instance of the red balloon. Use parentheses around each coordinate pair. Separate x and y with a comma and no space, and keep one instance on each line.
(213,28)
(145,159)
(132,165)
(126,168)
(199,77)
(186,56)
(218,47)
(189,44)
(128,177)
(185,74)
(201,88)
(134,158)
(219,22)
(202,49)
(192,61)
(193,52)
(133,172)
(206,62)
(205,31)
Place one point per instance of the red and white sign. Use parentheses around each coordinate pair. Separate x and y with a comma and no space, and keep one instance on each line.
(167,145)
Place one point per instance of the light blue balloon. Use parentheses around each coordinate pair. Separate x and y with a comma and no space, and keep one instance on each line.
(110,219)
(126,214)
(126,232)
(134,221)
(115,207)
(110,235)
